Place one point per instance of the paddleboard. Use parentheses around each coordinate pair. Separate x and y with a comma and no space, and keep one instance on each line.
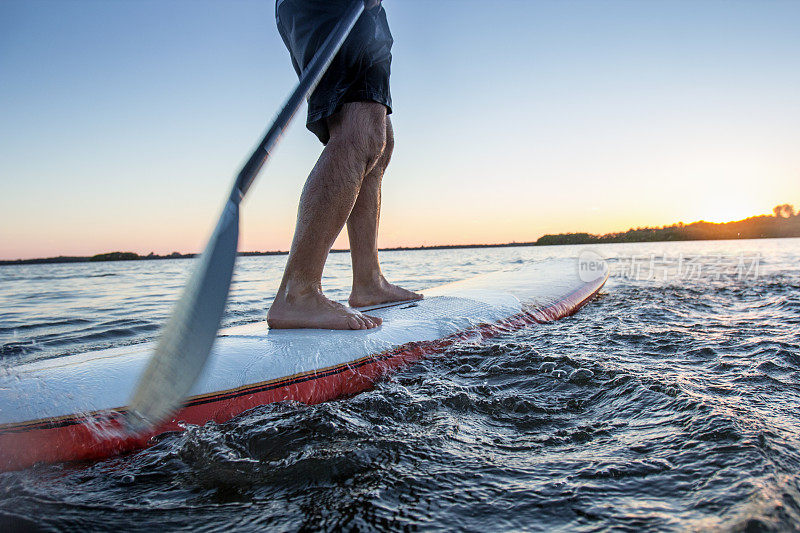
(69,408)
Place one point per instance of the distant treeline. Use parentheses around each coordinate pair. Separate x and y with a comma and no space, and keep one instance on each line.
(132,256)
(117,256)
(110,256)
(784,223)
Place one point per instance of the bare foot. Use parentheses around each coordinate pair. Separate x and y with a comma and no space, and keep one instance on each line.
(380,292)
(311,309)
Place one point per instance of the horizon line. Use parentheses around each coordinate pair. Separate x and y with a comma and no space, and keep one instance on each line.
(177,255)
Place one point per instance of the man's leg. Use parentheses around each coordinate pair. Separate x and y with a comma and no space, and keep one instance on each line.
(369,285)
(358,137)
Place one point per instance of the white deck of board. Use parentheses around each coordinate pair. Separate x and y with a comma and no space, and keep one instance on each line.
(252,353)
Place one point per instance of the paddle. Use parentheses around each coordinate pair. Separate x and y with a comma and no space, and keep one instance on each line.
(187,337)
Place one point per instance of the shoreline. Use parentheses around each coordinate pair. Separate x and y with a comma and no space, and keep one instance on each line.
(128,256)
(132,256)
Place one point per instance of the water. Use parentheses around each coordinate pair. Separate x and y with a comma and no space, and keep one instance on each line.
(668,403)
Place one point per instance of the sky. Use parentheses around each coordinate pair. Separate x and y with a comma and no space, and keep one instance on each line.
(123,123)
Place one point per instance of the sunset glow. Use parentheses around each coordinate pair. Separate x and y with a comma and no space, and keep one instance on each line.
(728,213)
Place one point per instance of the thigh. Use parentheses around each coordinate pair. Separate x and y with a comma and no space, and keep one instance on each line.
(359,118)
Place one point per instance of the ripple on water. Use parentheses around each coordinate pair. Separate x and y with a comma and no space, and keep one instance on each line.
(662,405)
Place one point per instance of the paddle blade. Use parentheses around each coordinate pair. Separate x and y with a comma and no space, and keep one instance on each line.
(188,336)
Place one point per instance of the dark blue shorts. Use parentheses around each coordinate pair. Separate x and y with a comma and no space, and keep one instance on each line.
(358,73)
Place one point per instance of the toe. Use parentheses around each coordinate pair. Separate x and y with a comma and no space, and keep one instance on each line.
(376,321)
(354,323)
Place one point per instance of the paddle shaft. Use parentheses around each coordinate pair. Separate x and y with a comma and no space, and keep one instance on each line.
(189,334)
(308,82)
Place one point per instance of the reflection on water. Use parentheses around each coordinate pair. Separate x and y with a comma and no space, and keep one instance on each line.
(670,402)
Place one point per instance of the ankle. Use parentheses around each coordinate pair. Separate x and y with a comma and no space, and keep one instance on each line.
(293,289)
(368,279)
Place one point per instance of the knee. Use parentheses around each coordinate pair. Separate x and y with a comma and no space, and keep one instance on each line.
(386,154)
(371,140)
(366,131)
(388,147)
